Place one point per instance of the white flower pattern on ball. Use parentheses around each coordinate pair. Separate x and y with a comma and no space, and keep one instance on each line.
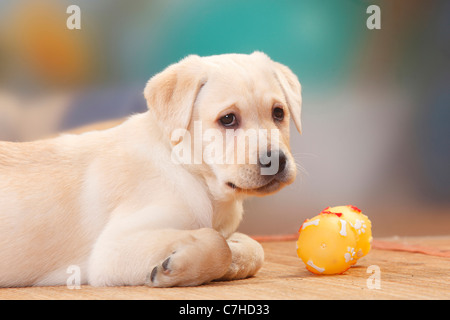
(359,226)
(349,256)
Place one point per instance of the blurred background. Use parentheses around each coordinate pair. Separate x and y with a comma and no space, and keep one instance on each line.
(376,103)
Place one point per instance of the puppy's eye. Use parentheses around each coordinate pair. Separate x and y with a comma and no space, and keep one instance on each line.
(278,114)
(228,120)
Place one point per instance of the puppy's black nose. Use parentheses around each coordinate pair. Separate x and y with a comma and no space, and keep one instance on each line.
(265,161)
(282,161)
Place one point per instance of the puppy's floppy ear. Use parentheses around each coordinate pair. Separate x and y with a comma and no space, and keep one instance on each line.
(292,91)
(171,94)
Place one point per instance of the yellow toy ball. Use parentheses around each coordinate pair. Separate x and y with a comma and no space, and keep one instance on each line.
(327,244)
(361,225)
(334,240)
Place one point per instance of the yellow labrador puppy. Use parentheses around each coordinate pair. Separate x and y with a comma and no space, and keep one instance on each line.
(139,203)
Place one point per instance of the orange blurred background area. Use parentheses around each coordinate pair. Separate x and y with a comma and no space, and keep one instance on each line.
(376,104)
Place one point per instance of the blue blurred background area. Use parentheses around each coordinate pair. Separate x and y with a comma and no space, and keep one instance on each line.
(376,103)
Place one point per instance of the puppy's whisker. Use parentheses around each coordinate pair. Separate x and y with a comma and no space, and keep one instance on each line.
(305,155)
(300,168)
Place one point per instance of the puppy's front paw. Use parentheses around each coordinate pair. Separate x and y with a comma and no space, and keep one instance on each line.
(199,258)
(247,257)
(162,275)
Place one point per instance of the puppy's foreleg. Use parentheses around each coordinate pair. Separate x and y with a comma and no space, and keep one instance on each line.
(159,258)
(247,257)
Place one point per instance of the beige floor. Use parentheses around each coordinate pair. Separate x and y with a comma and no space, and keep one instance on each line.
(403,275)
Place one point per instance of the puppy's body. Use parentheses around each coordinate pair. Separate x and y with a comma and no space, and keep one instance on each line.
(114,204)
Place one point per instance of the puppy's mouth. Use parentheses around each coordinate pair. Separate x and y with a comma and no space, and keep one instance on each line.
(270,187)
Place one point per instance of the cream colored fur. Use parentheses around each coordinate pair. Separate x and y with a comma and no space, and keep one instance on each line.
(113,203)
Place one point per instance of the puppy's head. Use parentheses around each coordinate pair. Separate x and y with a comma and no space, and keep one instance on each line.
(227,119)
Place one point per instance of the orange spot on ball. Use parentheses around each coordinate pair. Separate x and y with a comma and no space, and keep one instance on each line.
(329,212)
(355,209)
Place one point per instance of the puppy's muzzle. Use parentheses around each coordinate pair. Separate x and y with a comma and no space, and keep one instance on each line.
(272,162)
